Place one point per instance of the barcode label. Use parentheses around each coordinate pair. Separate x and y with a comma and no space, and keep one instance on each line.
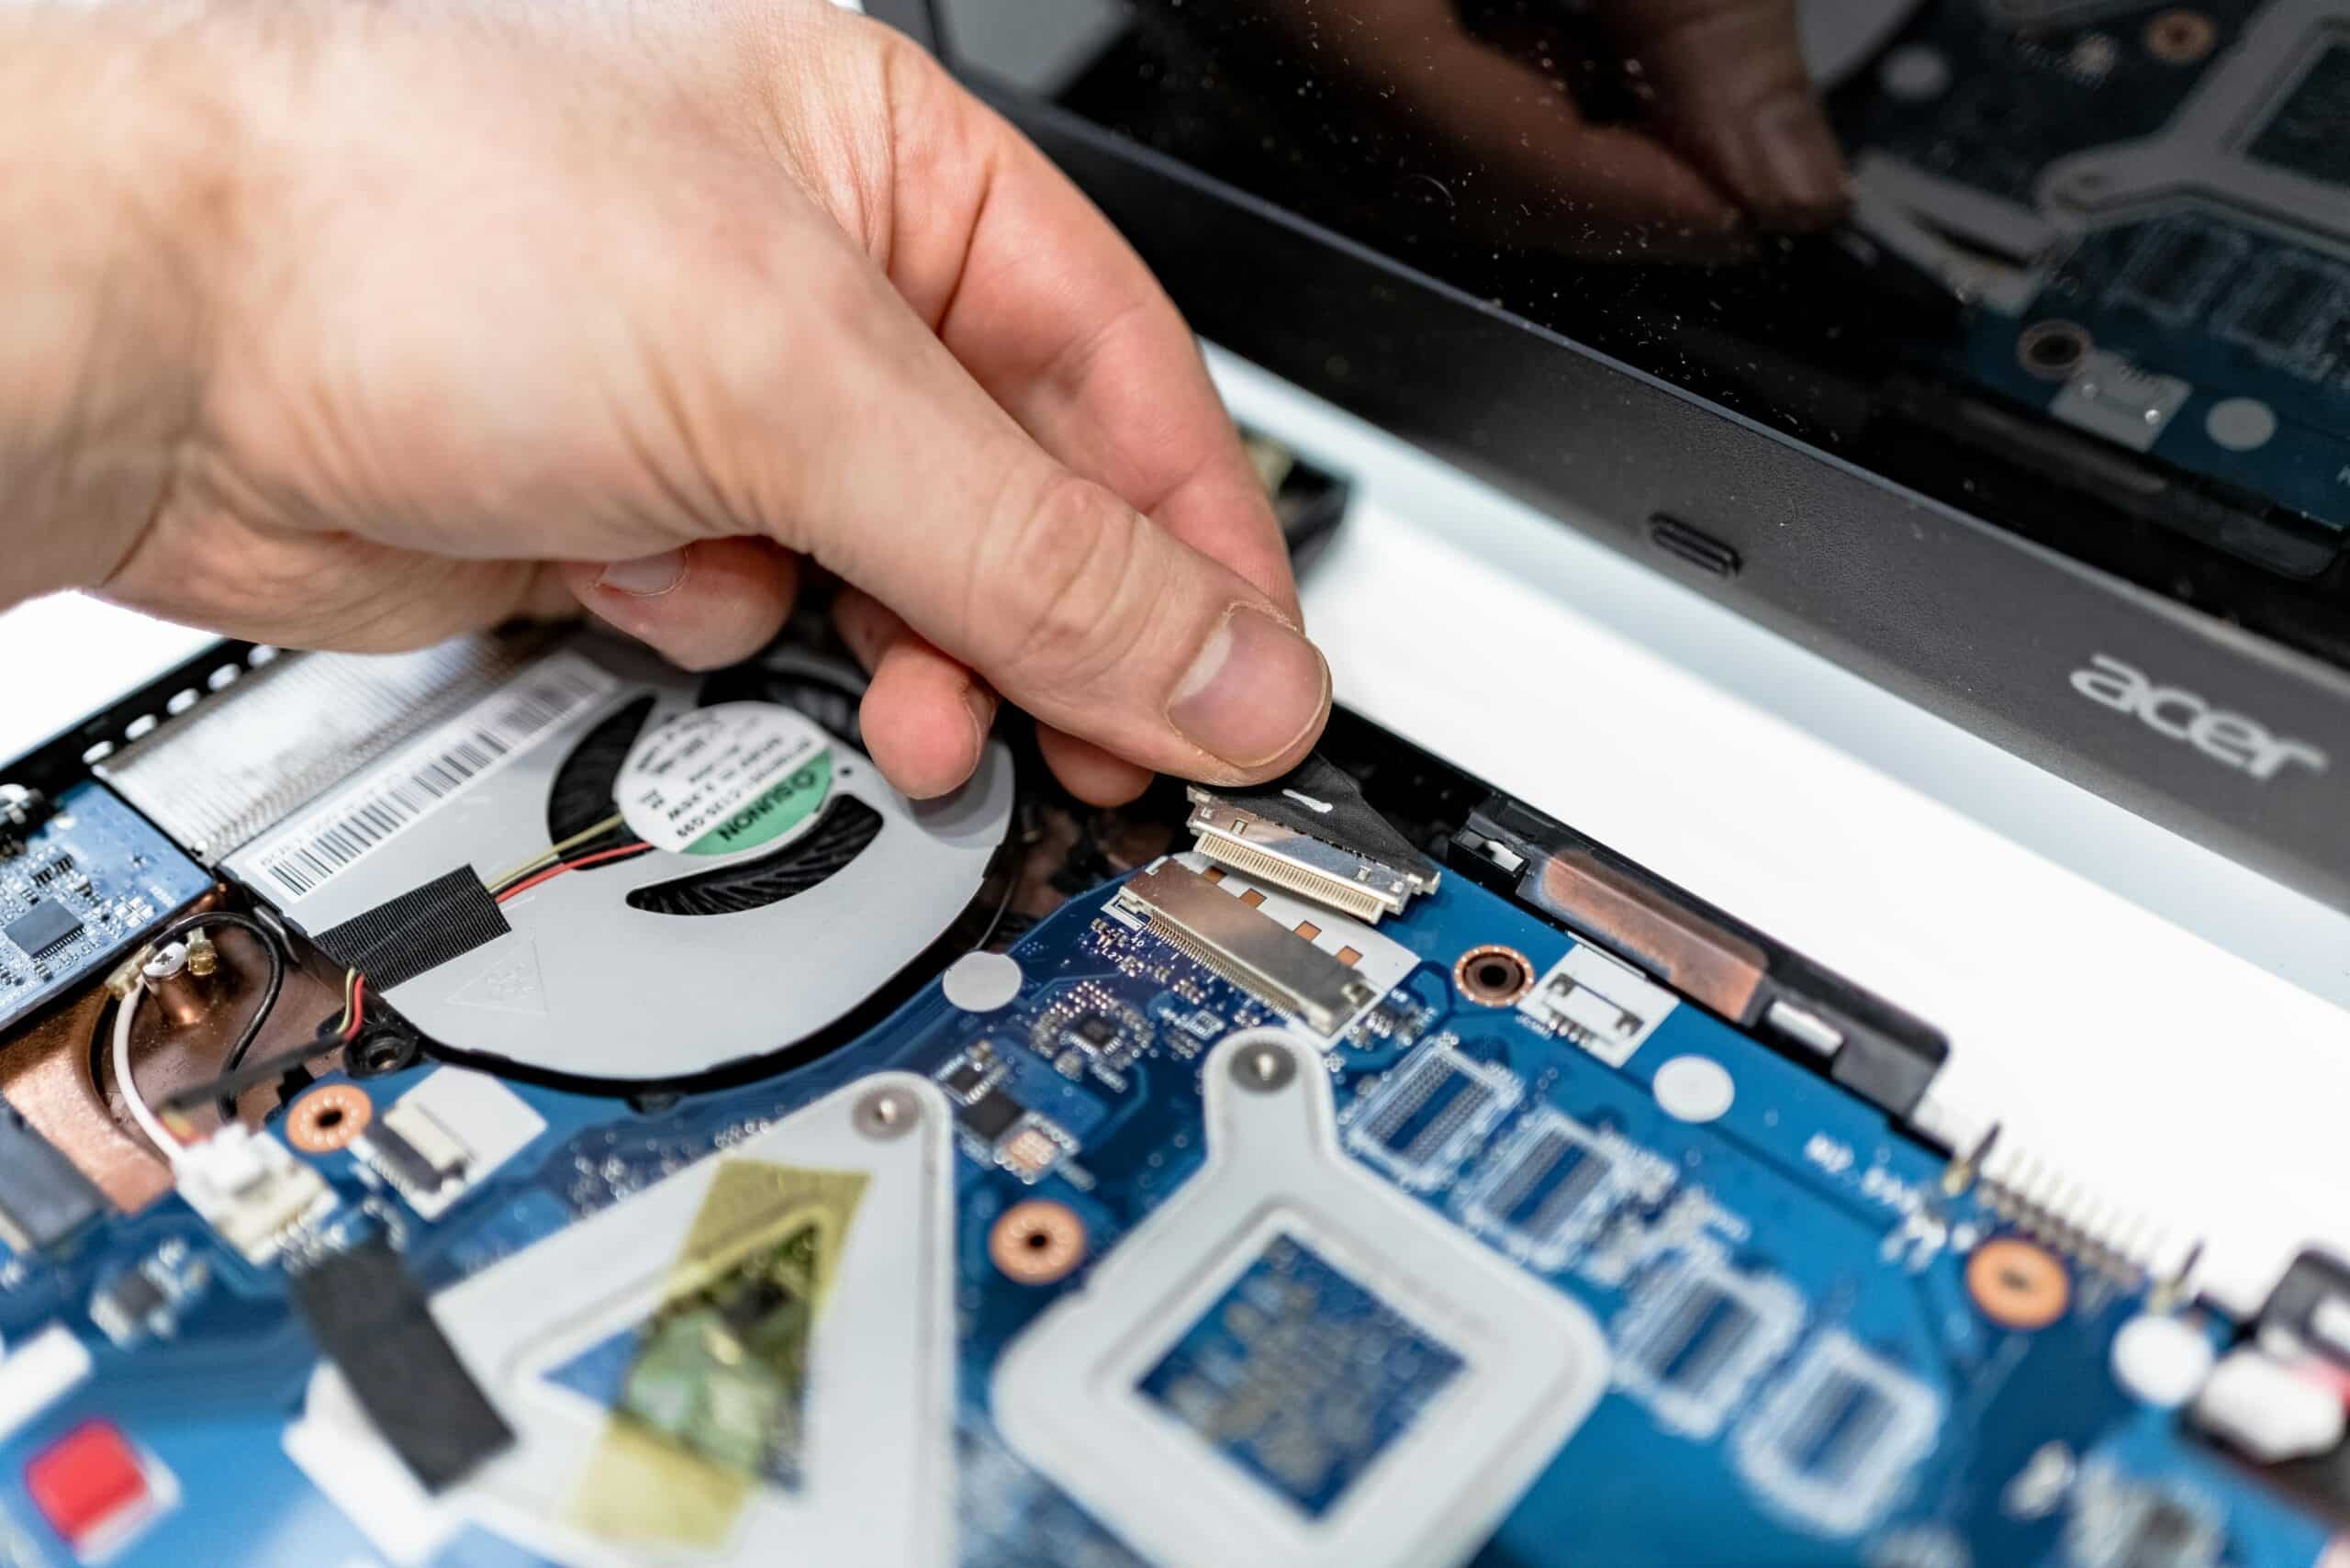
(303,856)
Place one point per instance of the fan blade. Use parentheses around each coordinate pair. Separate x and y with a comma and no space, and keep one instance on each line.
(839,836)
(582,793)
(823,692)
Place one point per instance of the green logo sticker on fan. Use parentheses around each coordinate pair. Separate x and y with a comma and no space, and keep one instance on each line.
(725,778)
(782,808)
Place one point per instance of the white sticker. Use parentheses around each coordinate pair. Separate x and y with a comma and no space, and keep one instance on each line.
(305,854)
(721,779)
(1600,1002)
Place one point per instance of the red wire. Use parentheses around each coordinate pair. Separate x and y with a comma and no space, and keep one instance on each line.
(527,883)
(351,1027)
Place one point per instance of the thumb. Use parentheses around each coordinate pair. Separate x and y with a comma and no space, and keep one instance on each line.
(894,470)
(837,424)
(904,478)
(1126,636)
(1102,625)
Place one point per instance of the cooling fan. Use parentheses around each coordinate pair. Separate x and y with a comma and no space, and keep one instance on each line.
(641,879)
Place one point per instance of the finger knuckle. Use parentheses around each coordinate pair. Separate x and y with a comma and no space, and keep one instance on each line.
(919,101)
(1067,568)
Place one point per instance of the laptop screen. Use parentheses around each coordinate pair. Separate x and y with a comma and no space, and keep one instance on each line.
(2079,267)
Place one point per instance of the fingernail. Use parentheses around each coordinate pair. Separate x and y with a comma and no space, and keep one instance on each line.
(647,576)
(1800,159)
(1254,690)
(980,705)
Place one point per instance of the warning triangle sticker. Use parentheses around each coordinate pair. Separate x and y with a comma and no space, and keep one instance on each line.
(509,984)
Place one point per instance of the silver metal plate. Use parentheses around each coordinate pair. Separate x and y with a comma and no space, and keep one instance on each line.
(584,984)
(1532,1363)
(878,1474)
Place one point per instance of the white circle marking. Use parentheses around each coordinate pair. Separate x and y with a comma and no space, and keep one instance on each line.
(1693,1089)
(2161,1361)
(981,982)
(2240,424)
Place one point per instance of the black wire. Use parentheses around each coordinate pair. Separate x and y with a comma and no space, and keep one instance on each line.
(1027,830)
(100,1038)
(229,1085)
(276,955)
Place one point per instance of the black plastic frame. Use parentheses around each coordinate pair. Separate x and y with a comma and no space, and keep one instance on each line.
(1964,616)
(1890,1057)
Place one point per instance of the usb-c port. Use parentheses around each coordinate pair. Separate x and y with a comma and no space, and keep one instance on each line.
(1695,547)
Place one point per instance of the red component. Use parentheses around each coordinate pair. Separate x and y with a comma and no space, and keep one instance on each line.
(86,1479)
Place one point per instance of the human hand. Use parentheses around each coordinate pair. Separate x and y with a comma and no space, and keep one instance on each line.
(1729,139)
(1726,90)
(472,309)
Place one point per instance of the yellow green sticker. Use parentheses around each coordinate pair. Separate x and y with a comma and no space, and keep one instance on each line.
(710,1406)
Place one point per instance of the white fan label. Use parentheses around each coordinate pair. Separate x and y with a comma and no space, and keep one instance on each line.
(721,779)
(297,860)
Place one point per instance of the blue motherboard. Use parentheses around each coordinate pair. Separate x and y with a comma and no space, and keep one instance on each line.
(1814,1354)
(77,891)
(2235,315)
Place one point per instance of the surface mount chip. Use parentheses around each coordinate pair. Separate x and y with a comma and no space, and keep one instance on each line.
(1299,1375)
(43,927)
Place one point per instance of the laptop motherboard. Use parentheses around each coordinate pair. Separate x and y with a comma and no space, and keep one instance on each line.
(502,1142)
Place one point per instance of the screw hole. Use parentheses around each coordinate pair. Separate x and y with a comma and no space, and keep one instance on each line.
(1493,976)
(1037,1242)
(2181,37)
(329,1117)
(2052,349)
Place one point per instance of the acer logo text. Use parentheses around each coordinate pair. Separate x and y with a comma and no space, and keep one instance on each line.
(2241,742)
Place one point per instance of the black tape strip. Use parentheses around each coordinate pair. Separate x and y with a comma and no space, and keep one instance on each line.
(1349,821)
(370,1319)
(421,929)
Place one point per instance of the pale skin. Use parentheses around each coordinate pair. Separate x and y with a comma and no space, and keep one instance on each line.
(357,326)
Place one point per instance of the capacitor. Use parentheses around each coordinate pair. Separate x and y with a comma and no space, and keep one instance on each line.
(22,808)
